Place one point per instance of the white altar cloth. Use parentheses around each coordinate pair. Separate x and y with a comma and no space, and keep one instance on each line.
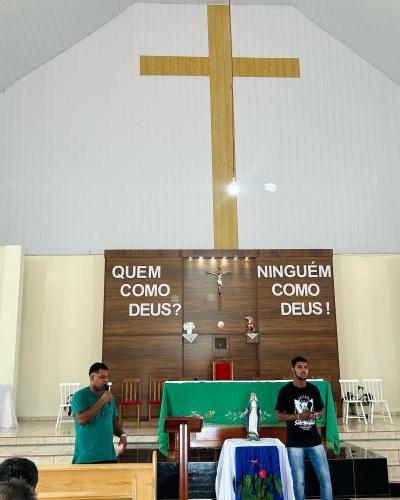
(7,413)
(226,467)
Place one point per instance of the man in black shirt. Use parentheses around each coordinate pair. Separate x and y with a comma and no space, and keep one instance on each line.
(299,403)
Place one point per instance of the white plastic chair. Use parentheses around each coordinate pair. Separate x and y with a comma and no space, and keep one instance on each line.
(349,390)
(373,388)
(67,390)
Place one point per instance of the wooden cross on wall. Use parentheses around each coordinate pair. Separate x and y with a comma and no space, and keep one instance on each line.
(220,67)
(219,276)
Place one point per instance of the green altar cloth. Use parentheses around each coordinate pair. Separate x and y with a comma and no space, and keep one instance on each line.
(220,403)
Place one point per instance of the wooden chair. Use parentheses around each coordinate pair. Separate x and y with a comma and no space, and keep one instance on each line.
(130,396)
(156,386)
(222,369)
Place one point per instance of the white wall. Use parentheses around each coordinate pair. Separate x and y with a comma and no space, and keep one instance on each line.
(11,285)
(94,156)
(62,325)
(368,319)
(63,309)
(329,140)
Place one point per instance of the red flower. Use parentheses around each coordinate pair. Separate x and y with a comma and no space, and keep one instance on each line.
(262,473)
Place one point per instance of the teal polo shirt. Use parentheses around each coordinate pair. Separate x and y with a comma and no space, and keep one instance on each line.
(94,440)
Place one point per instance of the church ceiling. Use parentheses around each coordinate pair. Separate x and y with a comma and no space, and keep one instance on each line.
(34,32)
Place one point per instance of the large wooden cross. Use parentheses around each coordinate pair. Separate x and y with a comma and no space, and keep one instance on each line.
(220,67)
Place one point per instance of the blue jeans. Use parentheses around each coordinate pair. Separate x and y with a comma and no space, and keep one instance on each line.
(317,456)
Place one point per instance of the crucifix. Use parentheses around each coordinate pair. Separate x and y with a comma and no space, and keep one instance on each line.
(219,284)
(220,67)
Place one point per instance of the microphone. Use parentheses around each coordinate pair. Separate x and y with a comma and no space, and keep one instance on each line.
(107,387)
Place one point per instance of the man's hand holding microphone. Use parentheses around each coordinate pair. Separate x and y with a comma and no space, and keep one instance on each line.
(123,440)
(107,394)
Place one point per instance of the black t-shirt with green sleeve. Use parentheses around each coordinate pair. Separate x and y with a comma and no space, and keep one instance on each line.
(293,400)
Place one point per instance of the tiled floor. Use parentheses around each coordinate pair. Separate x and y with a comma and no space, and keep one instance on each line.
(44,429)
(30,428)
(38,440)
(379,425)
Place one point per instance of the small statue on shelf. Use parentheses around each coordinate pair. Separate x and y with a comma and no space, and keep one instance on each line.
(252,415)
(250,323)
(189,326)
(250,331)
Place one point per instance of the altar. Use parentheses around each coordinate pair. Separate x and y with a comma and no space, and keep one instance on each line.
(220,404)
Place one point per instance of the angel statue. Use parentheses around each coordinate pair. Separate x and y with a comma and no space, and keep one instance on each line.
(249,323)
(252,415)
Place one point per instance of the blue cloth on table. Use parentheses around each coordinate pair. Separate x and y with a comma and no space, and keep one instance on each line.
(267,458)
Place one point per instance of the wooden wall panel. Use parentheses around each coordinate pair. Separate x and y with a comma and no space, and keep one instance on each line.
(297,325)
(310,332)
(238,300)
(238,296)
(198,358)
(143,357)
(146,346)
(116,306)
(244,356)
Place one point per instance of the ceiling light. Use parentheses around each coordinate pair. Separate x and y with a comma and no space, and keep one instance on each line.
(270,187)
(233,187)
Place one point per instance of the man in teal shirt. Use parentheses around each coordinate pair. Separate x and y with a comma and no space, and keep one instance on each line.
(96,421)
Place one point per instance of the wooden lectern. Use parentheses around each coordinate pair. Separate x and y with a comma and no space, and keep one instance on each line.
(179,429)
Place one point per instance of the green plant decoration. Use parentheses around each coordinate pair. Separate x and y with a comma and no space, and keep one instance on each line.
(260,485)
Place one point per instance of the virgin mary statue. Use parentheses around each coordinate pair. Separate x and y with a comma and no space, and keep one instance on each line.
(252,414)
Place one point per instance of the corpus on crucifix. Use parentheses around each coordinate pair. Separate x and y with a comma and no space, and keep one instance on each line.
(219,279)
(219,284)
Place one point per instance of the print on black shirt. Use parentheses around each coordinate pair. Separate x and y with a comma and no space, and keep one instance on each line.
(304,403)
(293,400)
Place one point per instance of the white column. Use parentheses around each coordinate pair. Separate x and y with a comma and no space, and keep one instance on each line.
(11,285)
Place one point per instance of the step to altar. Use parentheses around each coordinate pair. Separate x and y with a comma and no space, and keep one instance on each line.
(38,440)
(355,473)
(382,438)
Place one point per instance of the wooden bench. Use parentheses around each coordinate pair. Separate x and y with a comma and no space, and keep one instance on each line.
(99,481)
